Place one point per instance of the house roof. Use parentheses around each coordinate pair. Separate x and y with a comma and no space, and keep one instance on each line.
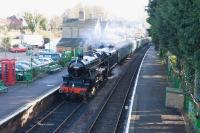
(77,22)
(72,42)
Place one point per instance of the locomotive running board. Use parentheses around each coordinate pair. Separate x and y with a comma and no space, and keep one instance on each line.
(113,66)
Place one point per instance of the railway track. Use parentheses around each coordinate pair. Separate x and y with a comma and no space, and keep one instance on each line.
(55,119)
(105,119)
(108,117)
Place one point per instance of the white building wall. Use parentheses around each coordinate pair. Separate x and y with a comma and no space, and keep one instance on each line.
(75,31)
(66,32)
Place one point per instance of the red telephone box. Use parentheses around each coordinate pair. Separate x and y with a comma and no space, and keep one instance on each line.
(8,71)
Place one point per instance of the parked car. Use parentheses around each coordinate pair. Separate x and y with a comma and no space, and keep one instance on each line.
(18,48)
(27,63)
(41,46)
(46,51)
(45,60)
(33,39)
(21,67)
(28,46)
(38,63)
(46,40)
(53,56)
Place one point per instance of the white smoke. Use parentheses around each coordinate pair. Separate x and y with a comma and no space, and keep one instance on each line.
(112,33)
(115,73)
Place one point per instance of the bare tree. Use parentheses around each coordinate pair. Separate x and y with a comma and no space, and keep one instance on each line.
(56,22)
(35,21)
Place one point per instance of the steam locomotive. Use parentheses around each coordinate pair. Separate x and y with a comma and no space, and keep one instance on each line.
(86,73)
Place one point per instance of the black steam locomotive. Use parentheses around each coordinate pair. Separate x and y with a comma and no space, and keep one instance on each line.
(86,73)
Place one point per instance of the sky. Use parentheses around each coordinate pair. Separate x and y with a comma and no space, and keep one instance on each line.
(128,9)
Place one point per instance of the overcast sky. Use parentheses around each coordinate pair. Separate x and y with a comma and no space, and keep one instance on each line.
(129,9)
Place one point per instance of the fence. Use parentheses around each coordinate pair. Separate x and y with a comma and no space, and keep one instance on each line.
(191,107)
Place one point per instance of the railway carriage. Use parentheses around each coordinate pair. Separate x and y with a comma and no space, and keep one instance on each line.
(124,51)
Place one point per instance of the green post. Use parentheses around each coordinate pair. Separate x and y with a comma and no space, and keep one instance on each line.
(74,53)
(198,119)
(186,102)
(69,55)
(28,77)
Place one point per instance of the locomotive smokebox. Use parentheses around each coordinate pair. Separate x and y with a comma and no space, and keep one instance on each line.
(76,68)
(80,56)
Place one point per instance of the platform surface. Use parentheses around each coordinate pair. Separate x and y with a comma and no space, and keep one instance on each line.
(22,94)
(149,114)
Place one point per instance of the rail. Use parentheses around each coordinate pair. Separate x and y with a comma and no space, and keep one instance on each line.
(112,96)
(54,120)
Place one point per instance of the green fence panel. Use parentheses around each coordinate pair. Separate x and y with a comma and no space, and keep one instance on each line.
(28,77)
(24,76)
(186,102)
(19,76)
(3,88)
(54,68)
(192,112)
(78,51)
(69,55)
(198,123)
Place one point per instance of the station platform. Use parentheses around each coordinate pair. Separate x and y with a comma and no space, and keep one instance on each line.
(22,94)
(148,112)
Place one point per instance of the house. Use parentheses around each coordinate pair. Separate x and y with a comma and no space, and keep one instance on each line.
(79,32)
(3,22)
(69,44)
(15,22)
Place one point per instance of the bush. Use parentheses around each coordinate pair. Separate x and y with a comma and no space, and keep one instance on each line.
(63,62)
(35,72)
